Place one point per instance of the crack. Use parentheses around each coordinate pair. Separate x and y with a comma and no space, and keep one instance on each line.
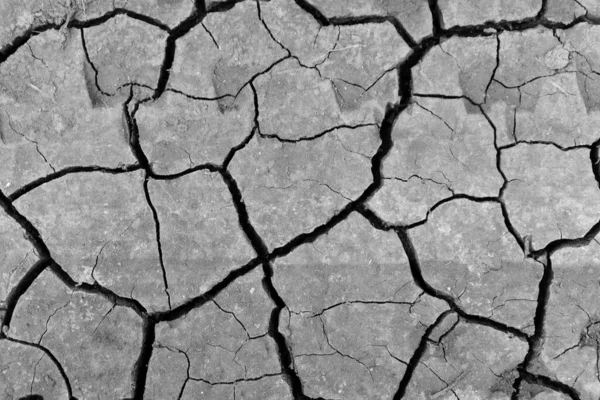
(263,257)
(426,287)
(536,341)
(97,289)
(340,353)
(88,61)
(417,355)
(235,381)
(19,290)
(322,184)
(285,357)
(248,337)
(36,57)
(547,143)
(317,135)
(132,133)
(423,180)
(350,302)
(492,77)
(264,24)
(34,374)
(550,383)
(452,131)
(595,160)
(211,35)
(247,139)
(140,369)
(437,17)
(559,244)
(50,317)
(23,38)
(52,358)
(195,18)
(222,6)
(191,304)
(391,354)
(34,142)
(457,196)
(328,53)
(102,320)
(158,241)
(14,196)
(322,20)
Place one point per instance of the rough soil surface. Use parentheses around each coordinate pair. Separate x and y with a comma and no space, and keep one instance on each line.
(300,199)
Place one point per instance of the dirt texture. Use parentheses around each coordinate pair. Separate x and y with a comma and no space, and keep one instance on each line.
(300,199)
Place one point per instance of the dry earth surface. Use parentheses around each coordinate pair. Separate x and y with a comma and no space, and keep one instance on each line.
(299,199)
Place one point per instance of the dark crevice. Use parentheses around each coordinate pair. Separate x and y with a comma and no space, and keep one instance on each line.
(165,70)
(183,309)
(185,26)
(536,341)
(455,196)
(158,241)
(264,257)
(419,279)
(550,383)
(90,63)
(75,23)
(32,141)
(285,357)
(264,24)
(67,171)
(200,167)
(487,88)
(595,159)
(559,244)
(255,128)
(31,232)
(54,360)
(315,136)
(365,302)
(437,19)
(50,317)
(211,35)
(313,11)
(417,355)
(33,31)
(97,289)
(233,382)
(357,20)
(19,290)
(22,39)
(543,9)
(132,133)
(140,369)
(234,316)
(222,6)
(547,143)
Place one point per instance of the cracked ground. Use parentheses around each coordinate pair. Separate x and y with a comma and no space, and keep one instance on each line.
(299,199)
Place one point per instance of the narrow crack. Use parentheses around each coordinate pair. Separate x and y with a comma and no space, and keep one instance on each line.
(493,76)
(158,241)
(34,142)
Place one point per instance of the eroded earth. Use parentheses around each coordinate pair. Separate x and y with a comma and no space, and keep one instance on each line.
(300,199)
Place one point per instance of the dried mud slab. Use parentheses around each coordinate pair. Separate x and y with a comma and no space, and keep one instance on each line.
(299,199)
